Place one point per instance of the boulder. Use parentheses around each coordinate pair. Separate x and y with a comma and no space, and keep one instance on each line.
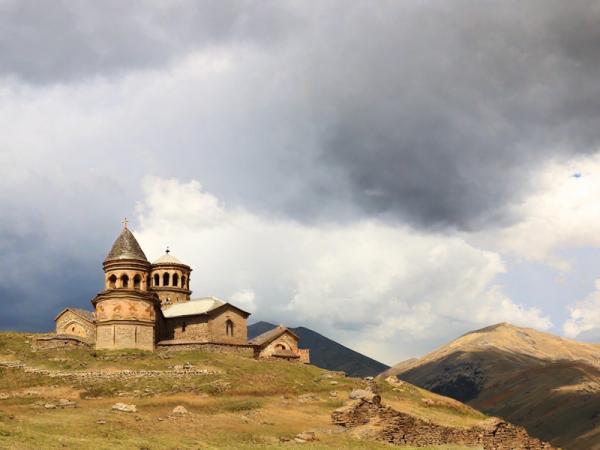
(365,395)
(307,436)
(64,403)
(180,410)
(124,407)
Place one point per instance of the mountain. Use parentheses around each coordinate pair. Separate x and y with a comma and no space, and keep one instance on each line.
(326,353)
(548,384)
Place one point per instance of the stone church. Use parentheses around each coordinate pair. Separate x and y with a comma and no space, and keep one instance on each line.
(147,305)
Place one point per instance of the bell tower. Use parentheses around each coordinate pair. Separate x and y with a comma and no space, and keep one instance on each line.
(126,308)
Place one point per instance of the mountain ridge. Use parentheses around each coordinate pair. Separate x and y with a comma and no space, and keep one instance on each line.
(546,383)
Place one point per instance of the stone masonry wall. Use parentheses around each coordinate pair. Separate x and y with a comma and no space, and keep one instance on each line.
(125,335)
(304,355)
(394,427)
(193,328)
(217,327)
(46,344)
(242,350)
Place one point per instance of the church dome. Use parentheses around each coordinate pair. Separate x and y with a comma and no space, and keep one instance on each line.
(126,247)
(167,258)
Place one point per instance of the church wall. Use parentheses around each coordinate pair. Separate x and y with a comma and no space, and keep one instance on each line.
(217,327)
(105,336)
(125,309)
(193,328)
(171,296)
(73,324)
(125,335)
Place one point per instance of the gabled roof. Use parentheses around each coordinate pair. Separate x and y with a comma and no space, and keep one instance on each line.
(196,307)
(83,313)
(126,247)
(271,335)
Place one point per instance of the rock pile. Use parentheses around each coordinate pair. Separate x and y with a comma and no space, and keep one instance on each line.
(394,427)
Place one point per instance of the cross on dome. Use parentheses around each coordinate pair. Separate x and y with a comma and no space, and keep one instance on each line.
(125,222)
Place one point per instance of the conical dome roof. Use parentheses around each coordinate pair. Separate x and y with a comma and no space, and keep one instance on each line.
(126,247)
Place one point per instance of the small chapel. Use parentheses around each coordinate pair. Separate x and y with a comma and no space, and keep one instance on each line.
(148,305)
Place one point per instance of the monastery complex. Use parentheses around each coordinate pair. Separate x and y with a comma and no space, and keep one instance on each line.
(148,305)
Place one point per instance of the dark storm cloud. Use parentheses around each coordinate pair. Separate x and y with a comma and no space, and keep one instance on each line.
(442,111)
(66,40)
(434,113)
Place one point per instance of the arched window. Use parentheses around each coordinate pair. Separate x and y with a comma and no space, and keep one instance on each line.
(137,282)
(124,281)
(280,347)
(229,328)
(183,327)
(156,279)
(165,279)
(175,280)
(112,282)
(183,282)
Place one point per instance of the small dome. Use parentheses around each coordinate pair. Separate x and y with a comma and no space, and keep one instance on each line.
(167,258)
(126,247)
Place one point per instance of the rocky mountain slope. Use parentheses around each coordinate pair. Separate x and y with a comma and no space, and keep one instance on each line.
(548,384)
(327,353)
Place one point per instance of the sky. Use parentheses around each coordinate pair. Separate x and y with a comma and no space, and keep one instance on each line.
(389,174)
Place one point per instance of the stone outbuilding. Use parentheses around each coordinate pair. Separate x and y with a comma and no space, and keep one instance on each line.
(76,322)
(279,343)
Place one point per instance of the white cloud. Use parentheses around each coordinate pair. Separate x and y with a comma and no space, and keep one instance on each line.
(561,213)
(584,315)
(384,290)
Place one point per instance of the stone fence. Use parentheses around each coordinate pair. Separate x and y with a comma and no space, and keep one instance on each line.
(108,375)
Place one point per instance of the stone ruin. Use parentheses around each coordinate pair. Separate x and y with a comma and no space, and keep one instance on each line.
(372,420)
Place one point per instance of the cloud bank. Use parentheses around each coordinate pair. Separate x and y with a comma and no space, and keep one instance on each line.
(367,283)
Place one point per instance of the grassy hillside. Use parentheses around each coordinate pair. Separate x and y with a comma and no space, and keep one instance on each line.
(327,353)
(547,384)
(236,402)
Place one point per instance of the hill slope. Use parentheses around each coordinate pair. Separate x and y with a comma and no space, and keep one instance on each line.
(547,384)
(63,398)
(327,353)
